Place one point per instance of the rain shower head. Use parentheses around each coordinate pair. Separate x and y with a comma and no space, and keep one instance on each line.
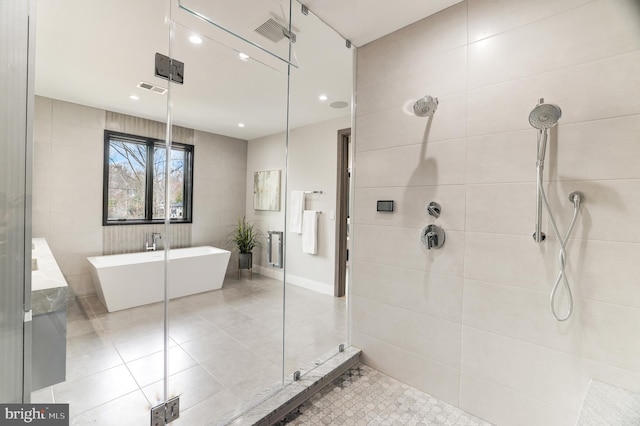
(545,116)
(425,107)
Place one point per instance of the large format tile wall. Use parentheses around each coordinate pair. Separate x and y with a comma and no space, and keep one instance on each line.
(470,323)
(67,186)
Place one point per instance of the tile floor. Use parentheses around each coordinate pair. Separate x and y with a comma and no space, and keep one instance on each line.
(225,347)
(364,396)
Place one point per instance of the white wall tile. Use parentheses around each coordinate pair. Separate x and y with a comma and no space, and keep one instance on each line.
(558,378)
(436,163)
(514,260)
(582,55)
(610,212)
(411,331)
(601,149)
(545,374)
(75,115)
(609,334)
(503,406)
(551,43)
(502,157)
(422,373)
(400,126)
(403,247)
(605,271)
(418,291)
(75,264)
(439,75)
(490,17)
(80,285)
(523,314)
(410,206)
(582,92)
(67,242)
(424,38)
(501,208)
(42,118)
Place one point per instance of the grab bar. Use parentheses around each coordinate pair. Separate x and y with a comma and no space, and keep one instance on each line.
(270,261)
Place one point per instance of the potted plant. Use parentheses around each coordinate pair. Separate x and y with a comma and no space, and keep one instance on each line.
(245,237)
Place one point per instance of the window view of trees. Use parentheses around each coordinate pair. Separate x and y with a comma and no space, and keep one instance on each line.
(127,180)
(135,179)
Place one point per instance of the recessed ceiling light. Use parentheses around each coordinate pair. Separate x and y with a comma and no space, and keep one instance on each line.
(339,104)
(134,97)
(243,56)
(240,124)
(323,97)
(195,39)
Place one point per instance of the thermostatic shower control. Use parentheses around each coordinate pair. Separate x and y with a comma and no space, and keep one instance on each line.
(433,236)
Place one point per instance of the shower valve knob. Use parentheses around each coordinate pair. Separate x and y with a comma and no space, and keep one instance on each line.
(434,209)
(432,236)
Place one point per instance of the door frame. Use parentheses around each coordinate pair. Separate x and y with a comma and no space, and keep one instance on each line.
(342,212)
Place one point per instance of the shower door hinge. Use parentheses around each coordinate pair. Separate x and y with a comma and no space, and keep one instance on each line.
(169,69)
(165,413)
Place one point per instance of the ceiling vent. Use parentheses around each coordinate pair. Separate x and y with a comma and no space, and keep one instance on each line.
(155,89)
(274,31)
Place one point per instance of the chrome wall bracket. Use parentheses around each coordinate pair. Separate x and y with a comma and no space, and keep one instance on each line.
(165,412)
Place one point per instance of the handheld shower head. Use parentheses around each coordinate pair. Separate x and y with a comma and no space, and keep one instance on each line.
(425,107)
(545,116)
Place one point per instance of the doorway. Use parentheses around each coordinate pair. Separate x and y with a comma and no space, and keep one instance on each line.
(342,203)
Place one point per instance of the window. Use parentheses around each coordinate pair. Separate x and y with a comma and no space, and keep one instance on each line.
(134,180)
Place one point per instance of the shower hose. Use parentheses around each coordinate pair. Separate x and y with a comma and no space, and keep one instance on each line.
(576,198)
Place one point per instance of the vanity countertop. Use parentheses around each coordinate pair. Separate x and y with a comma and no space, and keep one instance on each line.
(48,287)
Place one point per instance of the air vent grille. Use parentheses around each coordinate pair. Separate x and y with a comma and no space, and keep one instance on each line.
(155,89)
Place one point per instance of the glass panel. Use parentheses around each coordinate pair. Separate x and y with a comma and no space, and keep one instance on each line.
(228,326)
(127,180)
(321,91)
(114,325)
(13,165)
(176,180)
(261,26)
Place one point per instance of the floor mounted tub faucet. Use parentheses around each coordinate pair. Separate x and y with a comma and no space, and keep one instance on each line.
(155,236)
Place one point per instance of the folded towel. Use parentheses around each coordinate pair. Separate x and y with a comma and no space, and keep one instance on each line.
(310,232)
(296,207)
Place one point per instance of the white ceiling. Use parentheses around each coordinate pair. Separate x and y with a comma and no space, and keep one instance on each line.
(362,21)
(95,53)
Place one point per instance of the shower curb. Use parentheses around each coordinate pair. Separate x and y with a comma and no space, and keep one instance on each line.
(313,379)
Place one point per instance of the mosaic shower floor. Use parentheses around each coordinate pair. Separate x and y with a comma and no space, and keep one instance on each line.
(364,396)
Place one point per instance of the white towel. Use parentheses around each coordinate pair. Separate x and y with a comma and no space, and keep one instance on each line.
(310,232)
(296,207)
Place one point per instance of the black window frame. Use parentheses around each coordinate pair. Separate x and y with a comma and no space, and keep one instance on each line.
(150,143)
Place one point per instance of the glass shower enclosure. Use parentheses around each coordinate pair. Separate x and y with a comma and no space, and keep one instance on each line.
(256,94)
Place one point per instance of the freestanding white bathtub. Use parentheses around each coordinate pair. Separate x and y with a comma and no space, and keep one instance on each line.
(128,280)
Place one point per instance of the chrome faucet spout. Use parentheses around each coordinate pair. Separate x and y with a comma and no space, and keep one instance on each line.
(154,237)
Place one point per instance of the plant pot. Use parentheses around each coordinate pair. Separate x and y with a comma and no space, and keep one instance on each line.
(245,260)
